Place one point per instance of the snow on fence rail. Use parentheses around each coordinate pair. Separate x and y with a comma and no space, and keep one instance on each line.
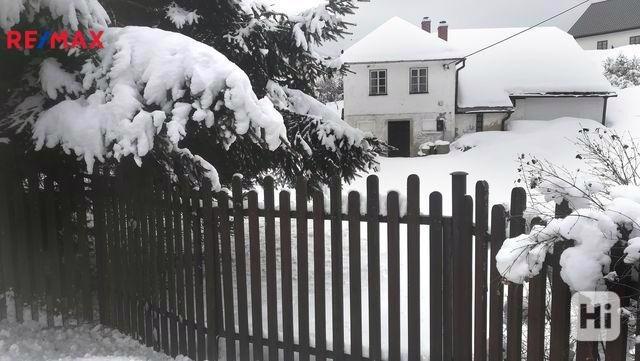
(181,270)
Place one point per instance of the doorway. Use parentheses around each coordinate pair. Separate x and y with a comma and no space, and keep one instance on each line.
(399,137)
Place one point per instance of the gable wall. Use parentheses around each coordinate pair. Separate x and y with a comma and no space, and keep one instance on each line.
(615,39)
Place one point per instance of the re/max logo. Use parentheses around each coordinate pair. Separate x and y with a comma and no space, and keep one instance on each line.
(32,39)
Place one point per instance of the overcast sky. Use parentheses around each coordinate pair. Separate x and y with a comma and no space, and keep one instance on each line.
(458,13)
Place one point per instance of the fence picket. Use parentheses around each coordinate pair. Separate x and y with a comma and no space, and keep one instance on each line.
(373,252)
(286,277)
(560,301)
(393,236)
(413,266)
(54,284)
(318,276)
(85,261)
(256,276)
(337,281)
(198,245)
(35,244)
(302,245)
(211,265)
(4,233)
(496,287)
(18,219)
(355,269)
(481,271)
(241,268)
(272,286)
(462,272)
(225,240)
(515,298)
(171,275)
(436,260)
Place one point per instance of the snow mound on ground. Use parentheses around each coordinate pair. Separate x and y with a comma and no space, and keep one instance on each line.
(91,343)
(73,13)
(490,156)
(541,60)
(136,87)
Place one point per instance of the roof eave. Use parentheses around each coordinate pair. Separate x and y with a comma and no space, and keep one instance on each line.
(603,32)
(402,61)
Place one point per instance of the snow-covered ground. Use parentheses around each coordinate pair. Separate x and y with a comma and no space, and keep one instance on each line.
(32,342)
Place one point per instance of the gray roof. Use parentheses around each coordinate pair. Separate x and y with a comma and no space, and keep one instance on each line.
(607,17)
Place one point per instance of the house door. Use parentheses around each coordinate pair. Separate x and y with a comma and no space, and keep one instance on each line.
(400,138)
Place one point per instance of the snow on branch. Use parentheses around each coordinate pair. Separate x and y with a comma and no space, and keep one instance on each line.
(72,13)
(605,200)
(331,128)
(146,81)
(180,16)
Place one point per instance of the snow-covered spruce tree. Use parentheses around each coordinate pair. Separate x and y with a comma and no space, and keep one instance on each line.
(622,71)
(602,232)
(330,89)
(282,57)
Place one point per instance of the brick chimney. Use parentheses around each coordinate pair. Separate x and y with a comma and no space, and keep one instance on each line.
(426,24)
(443,31)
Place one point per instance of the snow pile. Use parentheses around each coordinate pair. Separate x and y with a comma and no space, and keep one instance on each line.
(136,87)
(181,17)
(399,40)
(73,13)
(92,343)
(623,112)
(331,127)
(542,60)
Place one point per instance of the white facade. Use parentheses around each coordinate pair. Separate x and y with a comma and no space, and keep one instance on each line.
(613,40)
(558,107)
(374,112)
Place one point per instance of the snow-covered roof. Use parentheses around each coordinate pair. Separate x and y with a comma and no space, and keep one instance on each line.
(541,61)
(400,40)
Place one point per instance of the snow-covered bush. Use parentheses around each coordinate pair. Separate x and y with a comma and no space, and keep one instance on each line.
(622,71)
(604,198)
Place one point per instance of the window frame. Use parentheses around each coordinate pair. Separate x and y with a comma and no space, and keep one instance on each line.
(426,80)
(604,42)
(377,79)
(637,40)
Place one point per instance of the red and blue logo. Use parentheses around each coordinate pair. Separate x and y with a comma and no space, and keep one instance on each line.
(34,39)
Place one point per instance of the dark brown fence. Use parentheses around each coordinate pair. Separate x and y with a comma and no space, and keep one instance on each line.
(241,277)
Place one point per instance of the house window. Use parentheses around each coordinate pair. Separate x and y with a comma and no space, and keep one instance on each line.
(479,122)
(440,125)
(418,82)
(378,82)
(602,45)
(634,40)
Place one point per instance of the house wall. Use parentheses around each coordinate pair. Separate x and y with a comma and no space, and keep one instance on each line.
(466,123)
(552,108)
(615,39)
(372,113)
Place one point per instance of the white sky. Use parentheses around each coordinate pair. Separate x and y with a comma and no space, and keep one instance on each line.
(458,13)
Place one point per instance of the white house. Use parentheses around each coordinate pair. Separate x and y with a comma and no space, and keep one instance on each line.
(608,24)
(409,86)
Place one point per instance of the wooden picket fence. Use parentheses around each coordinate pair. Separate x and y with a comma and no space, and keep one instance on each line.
(183,271)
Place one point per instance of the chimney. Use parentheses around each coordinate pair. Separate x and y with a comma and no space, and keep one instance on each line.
(443,31)
(426,24)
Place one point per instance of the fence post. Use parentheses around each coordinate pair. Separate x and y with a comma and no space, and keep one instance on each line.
(272,288)
(286,276)
(617,350)
(355,282)
(319,275)
(462,271)
(560,301)
(481,249)
(514,300)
